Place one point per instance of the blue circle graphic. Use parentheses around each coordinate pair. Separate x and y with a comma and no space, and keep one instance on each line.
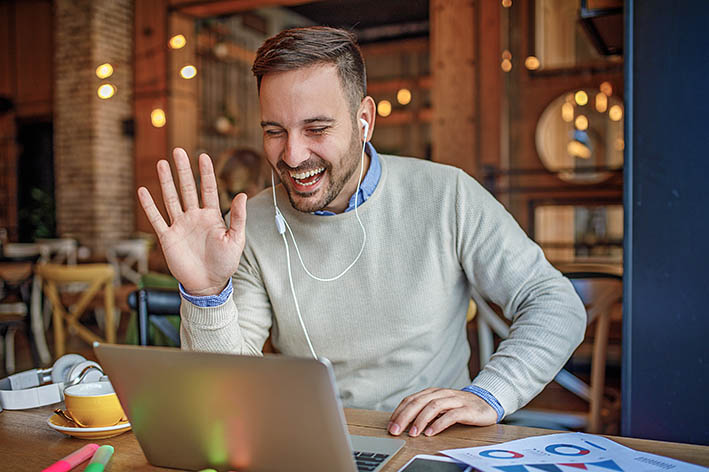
(491,453)
(580,451)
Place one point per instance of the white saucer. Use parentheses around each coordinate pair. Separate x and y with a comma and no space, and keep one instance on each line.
(58,423)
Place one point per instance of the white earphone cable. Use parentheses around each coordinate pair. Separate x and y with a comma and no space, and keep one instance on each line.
(282,225)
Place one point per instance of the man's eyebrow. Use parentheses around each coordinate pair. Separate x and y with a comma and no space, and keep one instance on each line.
(307,121)
(319,119)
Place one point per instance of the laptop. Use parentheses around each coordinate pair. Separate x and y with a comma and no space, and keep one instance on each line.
(197,410)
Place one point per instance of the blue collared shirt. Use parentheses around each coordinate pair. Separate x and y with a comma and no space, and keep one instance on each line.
(366,189)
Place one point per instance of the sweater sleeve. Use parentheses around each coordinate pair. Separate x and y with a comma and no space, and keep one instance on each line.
(507,268)
(224,328)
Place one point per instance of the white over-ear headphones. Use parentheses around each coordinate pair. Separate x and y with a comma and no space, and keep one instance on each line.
(282,225)
(26,389)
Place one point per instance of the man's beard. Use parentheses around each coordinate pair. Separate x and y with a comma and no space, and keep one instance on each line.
(336,181)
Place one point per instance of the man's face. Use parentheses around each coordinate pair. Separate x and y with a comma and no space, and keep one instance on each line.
(309,137)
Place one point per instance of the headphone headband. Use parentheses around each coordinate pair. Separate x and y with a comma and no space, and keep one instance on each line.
(25,390)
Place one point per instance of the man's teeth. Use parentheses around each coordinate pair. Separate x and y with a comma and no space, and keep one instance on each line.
(305,175)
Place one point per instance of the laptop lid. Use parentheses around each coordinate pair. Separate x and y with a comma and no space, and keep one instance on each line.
(194,410)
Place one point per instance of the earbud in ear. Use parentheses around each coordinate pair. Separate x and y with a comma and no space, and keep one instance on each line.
(366,127)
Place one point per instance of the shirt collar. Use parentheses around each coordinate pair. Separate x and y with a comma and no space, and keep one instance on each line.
(368,185)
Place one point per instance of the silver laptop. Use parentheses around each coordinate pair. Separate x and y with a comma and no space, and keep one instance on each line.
(194,410)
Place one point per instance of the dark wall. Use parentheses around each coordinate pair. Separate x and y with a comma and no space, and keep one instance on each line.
(666,311)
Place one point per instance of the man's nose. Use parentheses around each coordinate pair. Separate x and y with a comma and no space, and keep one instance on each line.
(296,151)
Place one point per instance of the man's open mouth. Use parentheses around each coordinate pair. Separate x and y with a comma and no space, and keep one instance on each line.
(307,178)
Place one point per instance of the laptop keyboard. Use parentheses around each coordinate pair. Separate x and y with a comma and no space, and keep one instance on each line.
(368,461)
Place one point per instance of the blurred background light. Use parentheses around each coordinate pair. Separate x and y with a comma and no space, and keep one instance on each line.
(567,112)
(157,117)
(581,98)
(615,113)
(384,108)
(403,96)
(581,123)
(178,41)
(532,63)
(601,102)
(607,88)
(106,91)
(188,72)
(104,71)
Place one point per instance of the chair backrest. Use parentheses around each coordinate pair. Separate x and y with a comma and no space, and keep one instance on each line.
(157,304)
(599,292)
(98,277)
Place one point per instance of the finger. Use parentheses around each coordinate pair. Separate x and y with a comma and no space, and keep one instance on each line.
(450,418)
(408,400)
(401,421)
(151,211)
(169,194)
(188,190)
(237,217)
(431,411)
(210,196)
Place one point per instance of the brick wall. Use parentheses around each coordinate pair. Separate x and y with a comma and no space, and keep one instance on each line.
(93,158)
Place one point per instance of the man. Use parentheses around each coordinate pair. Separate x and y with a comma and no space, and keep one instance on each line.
(393,324)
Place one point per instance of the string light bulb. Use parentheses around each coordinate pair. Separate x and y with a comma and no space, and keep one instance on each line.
(532,63)
(158,118)
(581,123)
(506,65)
(601,102)
(615,113)
(506,3)
(178,41)
(606,88)
(106,91)
(104,71)
(581,98)
(403,96)
(384,108)
(188,72)
(567,112)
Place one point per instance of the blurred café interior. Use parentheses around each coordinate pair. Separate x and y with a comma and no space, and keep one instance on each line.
(534,98)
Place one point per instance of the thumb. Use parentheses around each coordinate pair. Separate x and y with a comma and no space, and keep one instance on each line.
(237,215)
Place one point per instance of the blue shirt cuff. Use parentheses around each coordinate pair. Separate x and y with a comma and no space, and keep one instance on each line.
(489,399)
(210,300)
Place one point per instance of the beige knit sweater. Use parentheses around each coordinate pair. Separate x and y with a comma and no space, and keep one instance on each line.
(395,323)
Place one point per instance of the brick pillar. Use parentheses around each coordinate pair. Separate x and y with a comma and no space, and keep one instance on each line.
(93,156)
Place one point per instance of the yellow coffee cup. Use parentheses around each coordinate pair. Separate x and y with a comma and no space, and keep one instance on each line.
(93,405)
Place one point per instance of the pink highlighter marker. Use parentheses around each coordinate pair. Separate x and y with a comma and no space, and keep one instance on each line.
(73,459)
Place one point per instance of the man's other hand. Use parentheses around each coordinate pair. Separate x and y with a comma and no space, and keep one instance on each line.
(432,410)
(201,252)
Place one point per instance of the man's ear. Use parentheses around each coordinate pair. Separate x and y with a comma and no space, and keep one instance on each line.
(367,112)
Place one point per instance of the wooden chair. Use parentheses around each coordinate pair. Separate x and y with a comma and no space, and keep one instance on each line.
(16,277)
(600,292)
(97,276)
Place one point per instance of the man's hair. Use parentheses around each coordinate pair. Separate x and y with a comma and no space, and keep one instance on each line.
(297,48)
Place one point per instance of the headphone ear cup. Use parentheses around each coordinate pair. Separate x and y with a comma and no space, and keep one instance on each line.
(94,372)
(63,365)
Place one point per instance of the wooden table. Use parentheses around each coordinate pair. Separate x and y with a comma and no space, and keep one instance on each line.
(27,443)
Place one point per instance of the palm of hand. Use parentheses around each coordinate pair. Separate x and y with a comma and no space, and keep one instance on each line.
(201,252)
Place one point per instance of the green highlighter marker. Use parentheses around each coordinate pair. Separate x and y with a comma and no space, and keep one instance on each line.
(100,459)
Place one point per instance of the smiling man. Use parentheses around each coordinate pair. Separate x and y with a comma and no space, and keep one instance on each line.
(388,251)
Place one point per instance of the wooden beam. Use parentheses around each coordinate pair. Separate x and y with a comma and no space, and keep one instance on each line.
(453,92)
(207,8)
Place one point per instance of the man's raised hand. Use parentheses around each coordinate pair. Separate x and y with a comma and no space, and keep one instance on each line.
(201,252)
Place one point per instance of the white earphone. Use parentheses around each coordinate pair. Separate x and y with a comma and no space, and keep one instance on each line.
(26,389)
(282,225)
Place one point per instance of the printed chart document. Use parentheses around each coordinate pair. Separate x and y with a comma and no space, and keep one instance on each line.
(566,452)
